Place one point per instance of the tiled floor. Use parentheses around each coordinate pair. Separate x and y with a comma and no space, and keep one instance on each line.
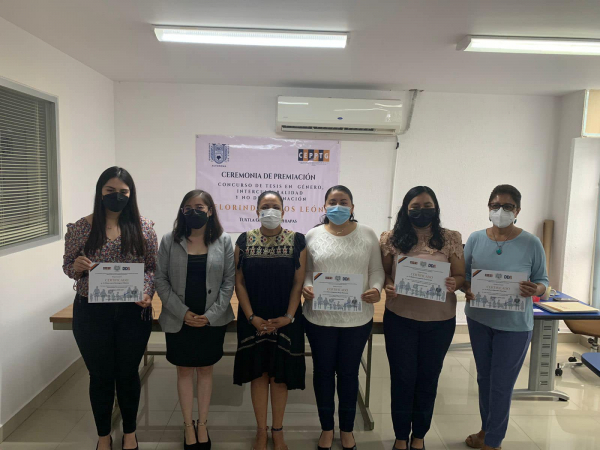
(65,421)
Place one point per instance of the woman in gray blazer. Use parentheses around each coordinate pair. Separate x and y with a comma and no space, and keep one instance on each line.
(195,279)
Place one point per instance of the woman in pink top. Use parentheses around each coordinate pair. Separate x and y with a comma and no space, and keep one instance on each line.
(419,323)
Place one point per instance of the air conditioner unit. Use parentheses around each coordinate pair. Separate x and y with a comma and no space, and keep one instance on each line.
(340,115)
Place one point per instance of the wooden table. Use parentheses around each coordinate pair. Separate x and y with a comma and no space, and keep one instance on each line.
(63,320)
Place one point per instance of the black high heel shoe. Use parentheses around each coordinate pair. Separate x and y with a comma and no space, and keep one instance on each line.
(203,445)
(322,448)
(350,448)
(266,430)
(277,448)
(137,447)
(187,446)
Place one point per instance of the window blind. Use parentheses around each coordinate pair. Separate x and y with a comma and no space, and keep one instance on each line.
(25,191)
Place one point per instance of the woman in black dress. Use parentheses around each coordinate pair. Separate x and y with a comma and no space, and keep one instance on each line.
(270,272)
(195,280)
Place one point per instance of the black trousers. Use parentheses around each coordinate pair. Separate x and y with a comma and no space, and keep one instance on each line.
(112,339)
(337,350)
(416,352)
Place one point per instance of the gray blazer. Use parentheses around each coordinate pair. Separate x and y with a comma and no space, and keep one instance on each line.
(170,280)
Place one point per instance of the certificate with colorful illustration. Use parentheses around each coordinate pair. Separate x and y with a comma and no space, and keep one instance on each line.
(337,292)
(421,278)
(116,283)
(497,290)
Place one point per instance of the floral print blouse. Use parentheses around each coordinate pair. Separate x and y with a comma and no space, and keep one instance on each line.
(76,237)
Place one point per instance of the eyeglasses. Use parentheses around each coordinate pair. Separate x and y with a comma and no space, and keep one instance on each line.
(189,209)
(506,206)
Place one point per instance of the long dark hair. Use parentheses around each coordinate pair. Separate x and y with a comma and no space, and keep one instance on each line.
(404,236)
(213,227)
(132,237)
(341,188)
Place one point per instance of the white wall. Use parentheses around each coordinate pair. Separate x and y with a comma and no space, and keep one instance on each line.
(582,213)
(570,123)
(156,125)
(461,145)
(32,284)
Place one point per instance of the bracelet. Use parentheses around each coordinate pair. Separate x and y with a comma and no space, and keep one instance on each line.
(251,318)
(289,316)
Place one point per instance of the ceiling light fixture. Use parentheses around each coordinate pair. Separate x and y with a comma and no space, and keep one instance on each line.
(237,36)
(539,45)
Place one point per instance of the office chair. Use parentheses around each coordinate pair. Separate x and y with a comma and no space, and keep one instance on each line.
(585,328)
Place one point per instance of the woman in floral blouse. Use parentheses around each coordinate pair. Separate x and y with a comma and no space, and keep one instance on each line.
(112,337)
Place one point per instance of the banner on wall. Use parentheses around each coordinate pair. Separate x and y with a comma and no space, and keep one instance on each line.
(236,170)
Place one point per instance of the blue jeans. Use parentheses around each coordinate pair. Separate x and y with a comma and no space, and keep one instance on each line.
(337,350)
(416,352)
(499,356)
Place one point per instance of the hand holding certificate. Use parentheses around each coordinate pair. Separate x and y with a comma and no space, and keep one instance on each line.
(116,283)
(422,278)
(497,290)
(337,292)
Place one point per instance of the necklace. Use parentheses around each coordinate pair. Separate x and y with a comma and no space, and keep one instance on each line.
(499,250)
(338,232)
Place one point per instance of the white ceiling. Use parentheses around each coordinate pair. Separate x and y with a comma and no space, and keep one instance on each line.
(394,44)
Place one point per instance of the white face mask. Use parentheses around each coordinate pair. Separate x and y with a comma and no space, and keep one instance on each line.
(502,218)
(270,218)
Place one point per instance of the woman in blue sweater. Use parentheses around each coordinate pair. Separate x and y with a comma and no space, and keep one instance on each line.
(500,338)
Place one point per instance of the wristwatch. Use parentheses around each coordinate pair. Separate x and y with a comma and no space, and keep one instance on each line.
(251,318)
(289,316)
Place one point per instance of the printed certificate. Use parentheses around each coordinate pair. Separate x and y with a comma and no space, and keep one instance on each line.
(116,282)
(497,290)
(421,278)
(337,292)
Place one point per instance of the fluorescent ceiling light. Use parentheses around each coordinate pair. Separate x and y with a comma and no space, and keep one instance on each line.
(234,36)
(553,46)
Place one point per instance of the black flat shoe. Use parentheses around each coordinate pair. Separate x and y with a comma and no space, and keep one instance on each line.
(350,448)
(137,447)
(203,445)
(110,444)
(412,448)
(396,448)
(322,448)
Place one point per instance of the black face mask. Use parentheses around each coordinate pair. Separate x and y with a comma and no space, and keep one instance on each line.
(196,219)
(115,202)
(421,217)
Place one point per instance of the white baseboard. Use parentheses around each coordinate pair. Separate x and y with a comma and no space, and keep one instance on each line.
(15,421)
(568,337)
(583,340)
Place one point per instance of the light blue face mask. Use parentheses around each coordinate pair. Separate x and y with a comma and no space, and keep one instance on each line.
(338,214)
